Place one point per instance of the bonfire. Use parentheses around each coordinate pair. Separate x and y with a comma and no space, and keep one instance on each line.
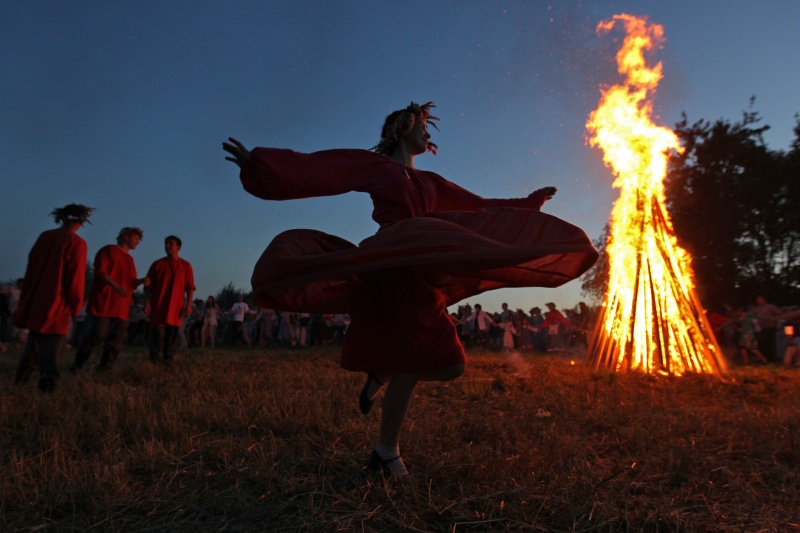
(651,319)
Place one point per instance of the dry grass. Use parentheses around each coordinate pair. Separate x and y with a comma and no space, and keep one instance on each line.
(273,441)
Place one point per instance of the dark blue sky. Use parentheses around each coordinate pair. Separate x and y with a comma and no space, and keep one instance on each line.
(123,106)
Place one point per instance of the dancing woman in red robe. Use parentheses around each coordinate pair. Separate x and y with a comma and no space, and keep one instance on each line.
(437,244)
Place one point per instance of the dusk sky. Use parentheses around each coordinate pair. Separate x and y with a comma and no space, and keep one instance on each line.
(123,106)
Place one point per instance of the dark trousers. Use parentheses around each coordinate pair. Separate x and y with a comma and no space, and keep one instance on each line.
(767,344)
(102,328)
(163,341)
(479,337)
(42,351)
(234,332)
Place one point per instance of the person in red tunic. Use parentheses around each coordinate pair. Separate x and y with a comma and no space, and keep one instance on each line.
(52,294)
(437,244)
(168,300)
(110,299)
(553,322)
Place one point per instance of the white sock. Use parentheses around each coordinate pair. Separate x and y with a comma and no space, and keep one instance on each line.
(391,454)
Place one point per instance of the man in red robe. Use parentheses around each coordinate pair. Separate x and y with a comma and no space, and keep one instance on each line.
(52,294)
(110,299)
(169,299)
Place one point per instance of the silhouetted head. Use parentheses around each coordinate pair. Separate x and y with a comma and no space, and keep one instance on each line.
(401,122)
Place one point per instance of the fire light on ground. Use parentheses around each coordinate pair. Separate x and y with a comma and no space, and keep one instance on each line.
(651,319)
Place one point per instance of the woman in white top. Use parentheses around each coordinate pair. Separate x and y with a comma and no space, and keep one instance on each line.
(210,322)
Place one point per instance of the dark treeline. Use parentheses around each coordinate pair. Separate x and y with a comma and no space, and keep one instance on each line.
(735,207)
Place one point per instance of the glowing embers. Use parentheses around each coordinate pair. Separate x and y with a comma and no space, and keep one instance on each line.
(651,319)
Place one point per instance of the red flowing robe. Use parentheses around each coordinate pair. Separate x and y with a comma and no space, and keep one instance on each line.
(118,265)
(437,244)
(54,282)
(170,279)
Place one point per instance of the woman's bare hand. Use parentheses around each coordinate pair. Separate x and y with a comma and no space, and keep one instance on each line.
(241,155)
(540,196)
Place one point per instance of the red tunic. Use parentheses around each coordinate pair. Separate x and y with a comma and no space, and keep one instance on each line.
(553,318)
(438,244)
(170,279)
(52,290)
(118,265)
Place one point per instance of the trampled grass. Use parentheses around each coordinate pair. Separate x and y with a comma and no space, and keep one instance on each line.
(259,440)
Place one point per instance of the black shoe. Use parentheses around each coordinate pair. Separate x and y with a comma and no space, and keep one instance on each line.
(47,385)
(383,465)
(364,401)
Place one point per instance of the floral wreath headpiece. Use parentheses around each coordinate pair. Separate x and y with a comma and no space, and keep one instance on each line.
(72,213)
(401,122)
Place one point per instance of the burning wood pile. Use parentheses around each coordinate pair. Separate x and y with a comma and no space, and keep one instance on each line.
(651,319)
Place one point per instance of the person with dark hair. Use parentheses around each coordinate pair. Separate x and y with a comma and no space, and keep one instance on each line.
(766,314)
(483,323)
(110,299)
(168,300)
(552,325)
(52,294)
(211,314)
(237,328)
(437,244)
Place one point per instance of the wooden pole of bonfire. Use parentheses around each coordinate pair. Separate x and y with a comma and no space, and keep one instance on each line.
(651,319)
(666,321)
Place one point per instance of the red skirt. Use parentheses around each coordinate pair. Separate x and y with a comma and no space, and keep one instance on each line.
(398,322)
(396,284)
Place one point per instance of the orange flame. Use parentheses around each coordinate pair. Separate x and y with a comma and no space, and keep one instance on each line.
(651,319)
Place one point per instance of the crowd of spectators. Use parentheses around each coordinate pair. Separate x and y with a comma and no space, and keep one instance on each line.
(551,331)
(759,333)
(243,324)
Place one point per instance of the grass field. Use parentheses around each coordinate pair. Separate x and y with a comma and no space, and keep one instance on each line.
(256,440)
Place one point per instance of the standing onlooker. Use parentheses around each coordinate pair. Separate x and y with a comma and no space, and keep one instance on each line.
(552,325)
(110,299)
(766,313)
(18,336)
(301,331)
(266,322)
(509,331)
(211,315)
(169,299)
(196,327)
(535,322)
(237,329)
(52,293)
(482,325)
(748,332)
(465,329)
(5,316)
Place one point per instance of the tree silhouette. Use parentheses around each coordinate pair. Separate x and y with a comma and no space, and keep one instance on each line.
(593,283)
(229,295)
(734,207)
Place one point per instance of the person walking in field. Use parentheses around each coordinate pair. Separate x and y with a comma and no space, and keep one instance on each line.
(437,244)
(110,299)
(52,294)
(168,300)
